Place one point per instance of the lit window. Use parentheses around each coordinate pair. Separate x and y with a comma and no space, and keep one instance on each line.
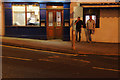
(87,17)
(33,17)
(26,15)
(19,15)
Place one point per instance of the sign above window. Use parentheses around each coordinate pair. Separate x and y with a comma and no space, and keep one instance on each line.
(36,0)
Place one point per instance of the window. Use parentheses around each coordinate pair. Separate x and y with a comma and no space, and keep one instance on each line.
(50,18)
(58,18)
(95,15)
(19,15)
(33,15)
(26,15)
(87,17)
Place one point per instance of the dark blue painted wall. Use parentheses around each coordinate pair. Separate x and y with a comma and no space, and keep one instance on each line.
(43,13)
(66,30)
(8,14)
(26,32)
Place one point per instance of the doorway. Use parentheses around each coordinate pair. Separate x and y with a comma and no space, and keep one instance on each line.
(54,24)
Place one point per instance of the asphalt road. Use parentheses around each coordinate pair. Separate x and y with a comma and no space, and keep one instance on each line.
(30,63)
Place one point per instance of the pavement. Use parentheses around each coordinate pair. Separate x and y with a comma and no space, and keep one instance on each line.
(108,49)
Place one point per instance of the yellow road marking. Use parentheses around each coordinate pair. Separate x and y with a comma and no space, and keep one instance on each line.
(18,58)
(42,51)
(82,60)
(46,60)
(106,69)
(38,50)
(46,51)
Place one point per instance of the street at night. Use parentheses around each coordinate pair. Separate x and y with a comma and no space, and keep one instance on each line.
(59,39)
(21,62)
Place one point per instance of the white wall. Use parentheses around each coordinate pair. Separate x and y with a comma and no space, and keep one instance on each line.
(108,31)
(109,22)
(2,25)
(75,11)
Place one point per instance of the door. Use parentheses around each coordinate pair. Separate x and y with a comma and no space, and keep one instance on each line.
(54,24)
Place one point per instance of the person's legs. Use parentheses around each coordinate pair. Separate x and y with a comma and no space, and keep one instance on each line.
(79,35)
(76,35)
(90,35)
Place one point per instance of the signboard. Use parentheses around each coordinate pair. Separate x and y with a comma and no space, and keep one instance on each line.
(60,0)
(94,0)
(35,0)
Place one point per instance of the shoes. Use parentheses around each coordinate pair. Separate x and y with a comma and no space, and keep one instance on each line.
(90,42)
(77,41)
(87,41)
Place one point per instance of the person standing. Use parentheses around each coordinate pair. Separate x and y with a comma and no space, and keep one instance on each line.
(79,25)
(90,28)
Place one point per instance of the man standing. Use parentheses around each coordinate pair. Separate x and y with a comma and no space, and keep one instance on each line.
(79,24)
(90,28)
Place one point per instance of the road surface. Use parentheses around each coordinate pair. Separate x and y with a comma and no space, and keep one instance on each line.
(20,62)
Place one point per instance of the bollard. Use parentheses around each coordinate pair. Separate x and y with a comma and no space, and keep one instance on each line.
(73,39)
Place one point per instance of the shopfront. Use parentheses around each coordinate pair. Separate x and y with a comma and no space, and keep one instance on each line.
(40,20)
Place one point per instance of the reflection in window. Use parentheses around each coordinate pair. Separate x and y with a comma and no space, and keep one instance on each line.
(19,15)
(33,16)
(87,17)
(58,18)
(50,18)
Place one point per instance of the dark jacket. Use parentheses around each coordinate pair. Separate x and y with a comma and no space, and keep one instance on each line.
(78,24)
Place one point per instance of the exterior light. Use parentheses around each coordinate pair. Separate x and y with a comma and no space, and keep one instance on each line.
(54,6)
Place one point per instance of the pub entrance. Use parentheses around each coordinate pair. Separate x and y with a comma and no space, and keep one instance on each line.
(54,24)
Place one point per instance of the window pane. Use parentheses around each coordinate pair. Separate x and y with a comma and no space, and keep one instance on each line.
(19,19)
(50,18)
(94,17)
(18,15)
(19,8)
(58,18)
(87,17)
(33,15)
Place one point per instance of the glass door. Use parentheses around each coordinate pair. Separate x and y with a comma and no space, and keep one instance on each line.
(54,24)
(59,24)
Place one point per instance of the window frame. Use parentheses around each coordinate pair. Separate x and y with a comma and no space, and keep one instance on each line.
(96,12)
(25,16)
(13,15)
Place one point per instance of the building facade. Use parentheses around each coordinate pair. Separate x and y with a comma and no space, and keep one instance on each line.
(50,19)
(40,20)
(106,16)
